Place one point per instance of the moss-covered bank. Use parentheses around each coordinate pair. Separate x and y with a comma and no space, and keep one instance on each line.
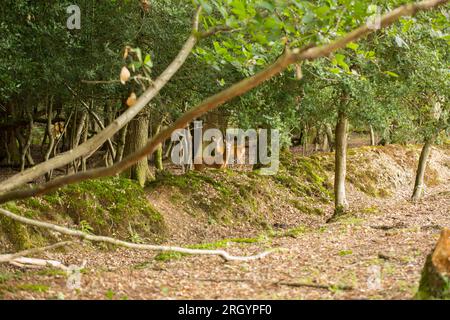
(115,207)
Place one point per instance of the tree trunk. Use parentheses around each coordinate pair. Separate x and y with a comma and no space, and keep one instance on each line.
(305,140)
(330,139)
(137,136)
(325,144)
(121,143)
(420,174)
(435,278)
(340,163)
(51,137)
(386,138)
(85,138)
(79,124)
(372,136)
(25,144)
(159,153)
(3,150)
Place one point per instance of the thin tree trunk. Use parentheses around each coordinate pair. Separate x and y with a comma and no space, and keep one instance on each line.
(121,143)
(85,138)
(25,143)
(420,174)
(159,153)
(325,145)
(51,138)
(137,136)
(340,163)
(372,136)
(305,140)
(329,133)
(79,124)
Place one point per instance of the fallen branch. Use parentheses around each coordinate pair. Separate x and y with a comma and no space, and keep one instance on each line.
(83,235)
(11,256)
(281,283)
(17,259)
(289,57)
(316,286)
(24,262)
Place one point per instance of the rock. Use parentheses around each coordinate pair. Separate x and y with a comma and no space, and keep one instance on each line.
(435,280)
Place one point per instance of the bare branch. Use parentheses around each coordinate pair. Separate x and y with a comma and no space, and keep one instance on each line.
(12,256)
(80,234)
(96,118)
(37,263)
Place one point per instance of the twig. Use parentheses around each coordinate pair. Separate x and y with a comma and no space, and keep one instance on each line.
(11,256)
(37,263)
(80,234)
(316,286)
(19,260)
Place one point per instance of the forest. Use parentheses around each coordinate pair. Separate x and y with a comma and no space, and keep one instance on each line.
(224,149)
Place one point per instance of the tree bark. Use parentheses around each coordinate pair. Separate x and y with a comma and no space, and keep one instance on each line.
(372,136)
(51,137)
(25,144)
(85,138)
(121,144)
(420,173)
(329,133)
(137,136)
(159,153)
(340,163)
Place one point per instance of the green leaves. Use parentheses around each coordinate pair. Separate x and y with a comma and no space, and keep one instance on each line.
(339,60)
(391,74)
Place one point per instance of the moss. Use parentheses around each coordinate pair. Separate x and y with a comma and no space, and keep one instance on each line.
(365,180)
(19,235)
(307,209)
(40,288)
(52,272)
(304,176)
(222,196)
(371,210)
(431,177)
(344,253)
(433,285)
(5,277)
(114,207)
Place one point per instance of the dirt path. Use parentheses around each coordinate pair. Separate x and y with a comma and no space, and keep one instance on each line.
(373,253)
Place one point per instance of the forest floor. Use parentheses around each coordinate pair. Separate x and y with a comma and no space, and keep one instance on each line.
(376,251)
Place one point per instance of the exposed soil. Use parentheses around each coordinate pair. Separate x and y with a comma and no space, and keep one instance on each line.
(376,251)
